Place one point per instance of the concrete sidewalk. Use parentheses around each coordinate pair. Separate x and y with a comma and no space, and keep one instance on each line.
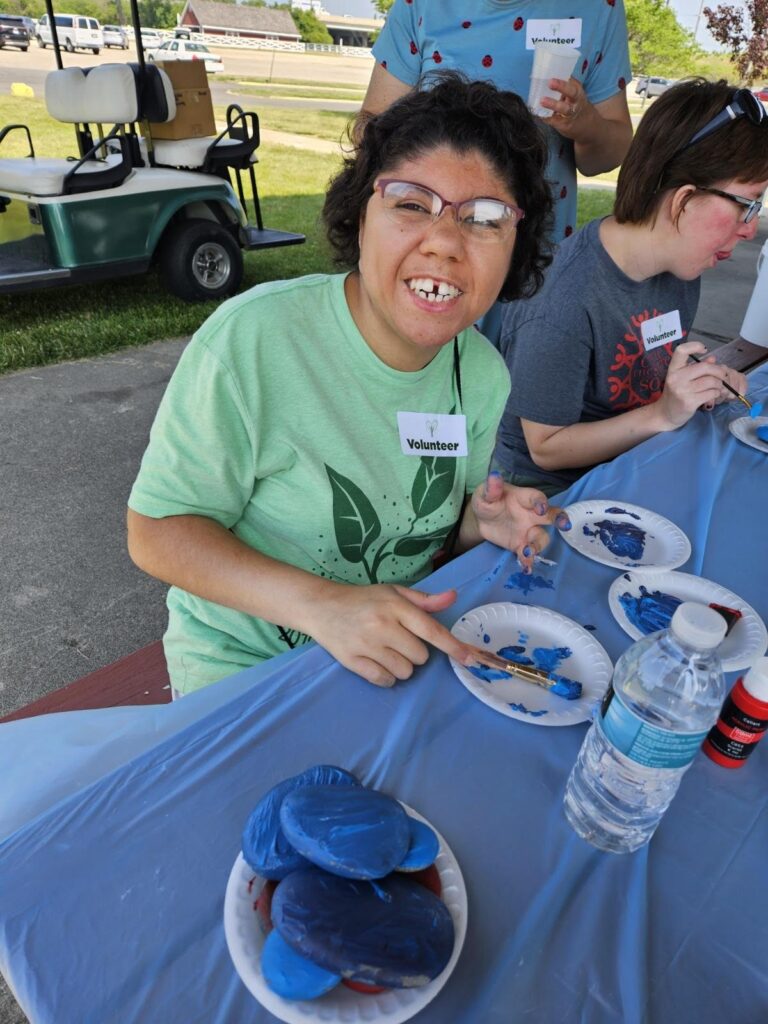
(72,438)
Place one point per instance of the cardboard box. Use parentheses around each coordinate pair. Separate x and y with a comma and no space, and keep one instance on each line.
(194,107)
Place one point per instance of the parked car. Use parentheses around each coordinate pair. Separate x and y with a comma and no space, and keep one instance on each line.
(74,32)
(150,38)
(13,32)
(761,92)
(115,35)
(186,31)
(179,49)
(649,85)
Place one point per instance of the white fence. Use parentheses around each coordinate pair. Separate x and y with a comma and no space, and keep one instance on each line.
(251,43)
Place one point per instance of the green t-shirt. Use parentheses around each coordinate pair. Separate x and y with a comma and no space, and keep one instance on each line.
(280,423)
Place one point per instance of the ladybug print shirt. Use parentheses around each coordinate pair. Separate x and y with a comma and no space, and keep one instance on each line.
(489,39)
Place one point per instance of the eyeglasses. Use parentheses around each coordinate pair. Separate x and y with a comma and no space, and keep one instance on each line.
(752,206)
(480,219)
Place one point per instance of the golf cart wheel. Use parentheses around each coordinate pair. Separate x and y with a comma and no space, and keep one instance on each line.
(40,42)
(69,46)
(201,260)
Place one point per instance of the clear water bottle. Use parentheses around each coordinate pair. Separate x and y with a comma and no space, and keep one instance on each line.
(666,693)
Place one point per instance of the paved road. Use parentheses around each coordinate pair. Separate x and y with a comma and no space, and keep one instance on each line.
(314,69)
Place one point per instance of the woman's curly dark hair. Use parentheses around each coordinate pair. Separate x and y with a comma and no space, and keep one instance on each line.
(466,116)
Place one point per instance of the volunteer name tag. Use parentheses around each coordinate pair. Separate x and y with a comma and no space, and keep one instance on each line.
(565,31)
(661,330)
(432,433)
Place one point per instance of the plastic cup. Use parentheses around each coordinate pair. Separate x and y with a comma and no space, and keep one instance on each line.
(550,60)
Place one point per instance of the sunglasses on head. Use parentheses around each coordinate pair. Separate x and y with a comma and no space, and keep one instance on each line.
(743,104)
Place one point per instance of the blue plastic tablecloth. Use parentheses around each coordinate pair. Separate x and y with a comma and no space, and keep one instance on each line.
(120,827)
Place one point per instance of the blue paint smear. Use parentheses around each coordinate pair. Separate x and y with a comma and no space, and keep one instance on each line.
(524,710)
(548,658)
(762,432)
(621,512)
(755,411)
(521,581)
(486,638)
(590,627)
(545,658)
(649,612)
(625,540)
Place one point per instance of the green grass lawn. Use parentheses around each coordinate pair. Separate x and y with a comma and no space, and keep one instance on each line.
(69,323)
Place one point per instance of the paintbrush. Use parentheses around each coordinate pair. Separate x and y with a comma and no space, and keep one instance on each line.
(753,410)
(559,685)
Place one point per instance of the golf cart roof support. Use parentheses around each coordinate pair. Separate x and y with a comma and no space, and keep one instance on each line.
(134,21)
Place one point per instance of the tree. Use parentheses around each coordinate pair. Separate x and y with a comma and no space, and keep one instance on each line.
(746,39)
(159,13)
(658,44)
(383,6)
(309,25)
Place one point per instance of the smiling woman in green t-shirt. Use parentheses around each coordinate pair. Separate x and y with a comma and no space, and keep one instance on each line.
(320,437)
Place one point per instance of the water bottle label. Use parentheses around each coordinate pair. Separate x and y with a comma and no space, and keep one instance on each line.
(648,744)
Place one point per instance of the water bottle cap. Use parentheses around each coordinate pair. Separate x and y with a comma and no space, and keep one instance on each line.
(698,626)
(756,680)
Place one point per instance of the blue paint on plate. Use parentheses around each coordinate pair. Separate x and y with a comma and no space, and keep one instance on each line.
(762,432)
(524,710)
(621,512)
(625,540)
(649,611)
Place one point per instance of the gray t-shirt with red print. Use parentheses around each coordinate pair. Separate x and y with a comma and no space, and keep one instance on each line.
(494,39)
(576,351)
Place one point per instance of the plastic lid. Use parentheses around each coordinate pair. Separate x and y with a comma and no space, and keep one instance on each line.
(756,680)
(698,626)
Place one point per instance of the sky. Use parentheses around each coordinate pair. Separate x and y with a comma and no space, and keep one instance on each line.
(687,12)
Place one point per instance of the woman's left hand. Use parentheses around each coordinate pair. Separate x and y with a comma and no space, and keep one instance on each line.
(573,114)
(515,517)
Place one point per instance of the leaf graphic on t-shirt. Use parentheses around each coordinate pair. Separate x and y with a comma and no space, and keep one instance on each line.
(407,546)
(354,517)
(432,484)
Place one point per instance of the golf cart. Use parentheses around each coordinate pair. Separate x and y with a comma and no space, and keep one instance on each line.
(128,200)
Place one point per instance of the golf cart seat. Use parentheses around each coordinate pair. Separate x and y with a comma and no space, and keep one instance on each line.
(235,146)
(105,94)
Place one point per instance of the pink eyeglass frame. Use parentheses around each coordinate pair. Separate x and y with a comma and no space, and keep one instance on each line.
(381,183)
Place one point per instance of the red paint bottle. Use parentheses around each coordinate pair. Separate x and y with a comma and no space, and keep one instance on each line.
(743,719)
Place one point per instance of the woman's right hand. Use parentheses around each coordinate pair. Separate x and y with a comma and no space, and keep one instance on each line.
(383,631)
(689,385)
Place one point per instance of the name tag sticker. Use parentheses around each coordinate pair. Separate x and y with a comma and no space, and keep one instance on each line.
(564,31)
(660,330)
(432,433)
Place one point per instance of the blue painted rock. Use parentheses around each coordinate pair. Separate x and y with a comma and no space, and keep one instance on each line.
(265,847)
(423,847)
(290,974)
(393,932)
(349,830)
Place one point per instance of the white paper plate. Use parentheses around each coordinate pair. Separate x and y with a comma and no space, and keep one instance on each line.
(746,641)
(665,546)
(343,1005)
(745,429)
(503,624)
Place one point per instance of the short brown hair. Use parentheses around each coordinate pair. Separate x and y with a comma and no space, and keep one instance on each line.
(465,116)
(655,163)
